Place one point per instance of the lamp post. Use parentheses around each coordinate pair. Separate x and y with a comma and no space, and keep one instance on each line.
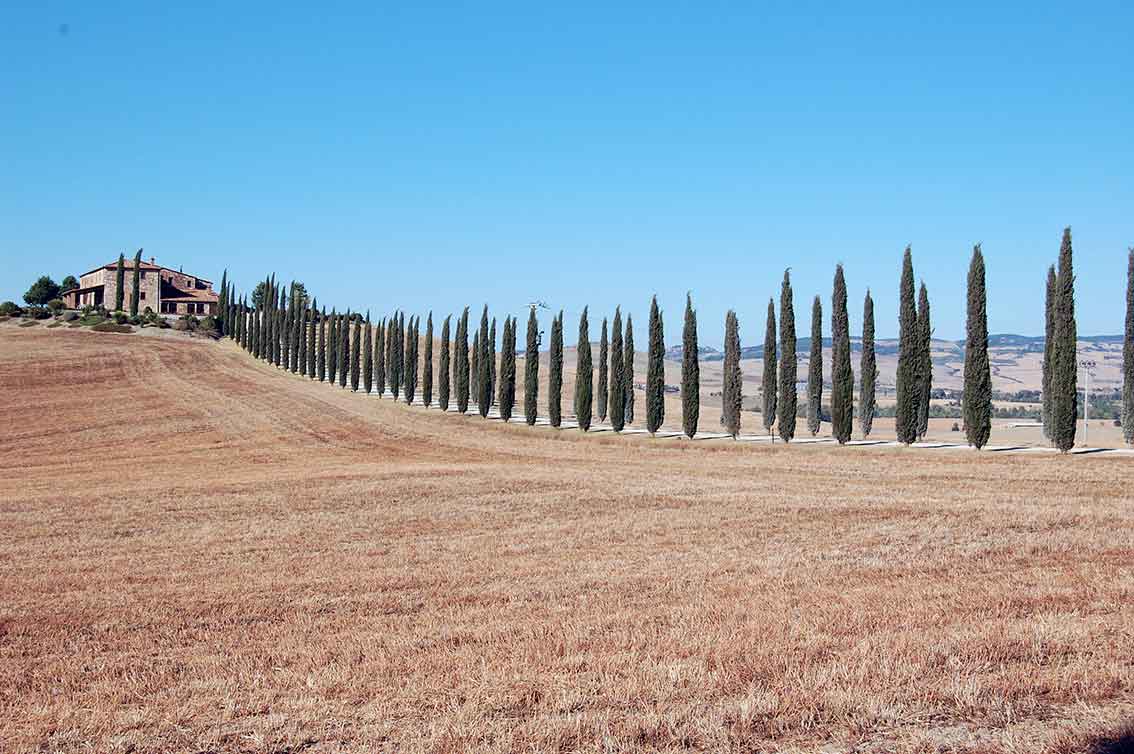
(1088,365)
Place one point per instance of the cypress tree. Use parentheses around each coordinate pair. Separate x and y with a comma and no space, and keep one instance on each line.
(977,395)
(427,364)
(531,370)
(223,302)
(380,358)
(332,345)
(868,368)
(356,354)
(286,328)
(254,333)
(555,372)
(120,283)
(690,372)
(461,367)
(346,360)
(925,361)
(1048,349)
(312,353)
(628,371)
(280,333)
(321,348)
(136,284)
(367,356)
(491,353)
(1064,373)
(443,367)
(507,397)
(731,393)
(301,337)
(786,403)
(770,370)
(474,367)
(842,376)
(655,371)
(484,373)
(411,364)
(617,395)
(584,375)
(906,383)
(393,360)
(603,374)
(238,328)
(815,370)
(1128,356)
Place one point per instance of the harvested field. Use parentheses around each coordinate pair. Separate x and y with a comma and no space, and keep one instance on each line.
(202,553)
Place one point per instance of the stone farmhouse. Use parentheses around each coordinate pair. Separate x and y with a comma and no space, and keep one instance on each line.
(164,290)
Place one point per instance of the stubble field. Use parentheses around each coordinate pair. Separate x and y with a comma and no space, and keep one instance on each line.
(201,553)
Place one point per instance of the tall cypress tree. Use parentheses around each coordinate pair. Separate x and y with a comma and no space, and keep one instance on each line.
(842,376)
(868,368)
(584,375)
(280,333)
(348,362)
(786,405)
(332,346)
(393,360)
(531,370)
(770,377)
(312,353)
(474,366)
(690,372)
(356,355)
(443,367)
(461,370)
(617,395)
(603,374)
(905,412)
(321,349)
(1048,350)
(380,358)
(120,283)
(977,396)
(136,284)
(1128,356)
(367,356)
(925,362)
(555,372)
(490,352)
(815,370)
(507,398)
(731,392)
(224,302)
(287,306)
(1064,374)
(655,371)
(628,371)
(300,335)
(410,359)
(484,370)
(427,364)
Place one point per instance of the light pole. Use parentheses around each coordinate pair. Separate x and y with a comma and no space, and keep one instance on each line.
(1088,365)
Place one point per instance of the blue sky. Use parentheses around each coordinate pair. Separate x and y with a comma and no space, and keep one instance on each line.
(428,157)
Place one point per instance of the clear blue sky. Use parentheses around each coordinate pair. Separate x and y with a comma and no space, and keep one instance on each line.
(399,155)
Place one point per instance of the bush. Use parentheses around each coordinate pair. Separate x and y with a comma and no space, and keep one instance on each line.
(92,319)
(209,323)
(86,309)
(37,312)
(136,319)
(10,309)
(112,327)
(55,305)
(120,317)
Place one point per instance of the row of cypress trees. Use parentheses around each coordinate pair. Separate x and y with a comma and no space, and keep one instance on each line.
(286,330)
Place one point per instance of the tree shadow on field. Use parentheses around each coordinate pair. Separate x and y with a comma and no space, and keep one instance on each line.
(1118,741)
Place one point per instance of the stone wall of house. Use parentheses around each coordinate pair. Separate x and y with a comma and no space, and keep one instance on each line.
(149,284)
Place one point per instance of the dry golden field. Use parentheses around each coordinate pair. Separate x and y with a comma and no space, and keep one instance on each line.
(200,553)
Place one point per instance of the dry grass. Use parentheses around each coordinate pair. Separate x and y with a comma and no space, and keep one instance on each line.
(200,553)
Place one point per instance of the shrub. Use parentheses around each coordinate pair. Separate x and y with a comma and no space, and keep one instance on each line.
(112,327)
(209,323)
(10,309)
(55,305)
(120,317)
(135,319)
(37,312)
(92,319)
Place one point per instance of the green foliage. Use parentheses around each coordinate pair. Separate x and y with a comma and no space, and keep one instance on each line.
(868,368)
(10,309)
(321,348)
(312,353)
(628,371)
(978,378)
(617,395)
(770,376)
(136,284)
(815,369)
(356,356)
(924,362)
(555,372)
(461,365)
(906,382)
(842,376)
(348,361)
(380,359)
(655,371)
(786,404)
(42,290)
(1064,373)
(367,356)
(531,369)
(484,367)
(507,391)
(410,363)
(690,372)
(490,352)
(427,363)
(1128,356)
(603,373)
(55,305)
(120,283)
(69,282)
(113,327)
(443,367)
(584,375)
(732,389)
